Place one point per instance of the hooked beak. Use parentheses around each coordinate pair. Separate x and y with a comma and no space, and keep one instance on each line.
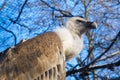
(91,25)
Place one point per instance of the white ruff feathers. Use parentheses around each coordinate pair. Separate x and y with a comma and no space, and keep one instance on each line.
(72,43)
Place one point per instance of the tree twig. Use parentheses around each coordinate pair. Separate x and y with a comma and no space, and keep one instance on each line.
(109,66)
(21,10)
(15,39)
(65,13)
(111,56)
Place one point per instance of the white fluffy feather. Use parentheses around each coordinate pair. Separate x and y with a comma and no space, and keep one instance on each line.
(72,43)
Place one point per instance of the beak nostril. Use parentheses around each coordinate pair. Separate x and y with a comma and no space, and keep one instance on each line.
(89,23)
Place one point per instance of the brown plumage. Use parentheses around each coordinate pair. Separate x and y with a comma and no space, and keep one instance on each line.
(31,59)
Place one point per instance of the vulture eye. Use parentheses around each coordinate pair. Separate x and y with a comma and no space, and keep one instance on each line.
(78,21)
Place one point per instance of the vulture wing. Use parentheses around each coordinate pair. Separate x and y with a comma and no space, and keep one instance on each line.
(40,58)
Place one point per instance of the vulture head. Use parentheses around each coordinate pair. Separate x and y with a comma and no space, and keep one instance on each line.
(80,25)
(71,35)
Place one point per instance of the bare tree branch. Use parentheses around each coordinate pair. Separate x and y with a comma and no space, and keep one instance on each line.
(109,66)
(65,13)
(21,10)
(114,40)
(111,56)
(15,39)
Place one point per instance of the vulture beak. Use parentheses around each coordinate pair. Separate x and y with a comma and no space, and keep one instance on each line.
(91,25)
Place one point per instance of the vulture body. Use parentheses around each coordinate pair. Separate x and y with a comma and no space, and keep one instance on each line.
(43,57)
(35,59)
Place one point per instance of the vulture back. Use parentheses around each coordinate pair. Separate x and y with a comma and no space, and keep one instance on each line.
(40,58)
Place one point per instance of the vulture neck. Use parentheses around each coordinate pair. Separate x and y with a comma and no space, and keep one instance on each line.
(72,42)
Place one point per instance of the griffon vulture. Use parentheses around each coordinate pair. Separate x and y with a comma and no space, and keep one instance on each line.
(43,57)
